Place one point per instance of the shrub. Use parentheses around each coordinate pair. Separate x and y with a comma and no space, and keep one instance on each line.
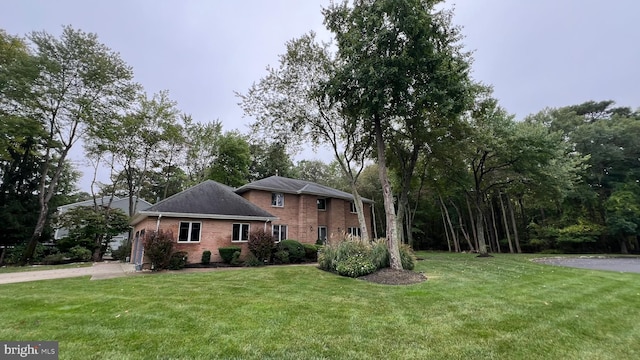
(158,247)
(79,253)
(281,257)
(206,257)
(295,250)
(226,253)
(15,254)
(326,258)
(261,244)
(310,252)
(332,254)
(178,260)
(122,252)
(53,259)
(355,265)
(407,257)
(252,260)
(235,259)
(380,254)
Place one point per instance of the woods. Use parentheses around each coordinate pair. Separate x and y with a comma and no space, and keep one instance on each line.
(390,98)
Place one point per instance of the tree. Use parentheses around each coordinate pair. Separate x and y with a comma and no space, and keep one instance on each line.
(93,227)
(201,148)
(291,106)
(400,65)
(80,83)
(231,165)
(269,159)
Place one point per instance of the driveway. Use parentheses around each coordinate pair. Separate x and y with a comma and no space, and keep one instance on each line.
(103,270)
(597,263)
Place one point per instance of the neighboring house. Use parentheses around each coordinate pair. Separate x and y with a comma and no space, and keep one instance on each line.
(116,203)
(211,215)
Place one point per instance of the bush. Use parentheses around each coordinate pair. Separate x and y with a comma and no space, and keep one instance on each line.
(407,257)
(15,254)
(310,252)
(53,259)
(355,265)
(326,258)
(252,261)
(332,254)
(206,257)
(178,260)
(235,259)
(281,257)
(226,253)
(79,253)
(261,244)
(294,249)
(380,254)
(122,252)
(158,247)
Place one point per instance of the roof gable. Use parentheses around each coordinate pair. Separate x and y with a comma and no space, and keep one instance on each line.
(294,186)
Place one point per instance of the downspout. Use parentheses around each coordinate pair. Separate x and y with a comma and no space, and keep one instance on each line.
(158,222)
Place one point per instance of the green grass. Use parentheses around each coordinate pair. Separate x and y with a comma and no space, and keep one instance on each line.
(504,307)
(13,269)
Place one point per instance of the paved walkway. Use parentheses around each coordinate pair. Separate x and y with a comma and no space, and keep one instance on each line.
(103,270)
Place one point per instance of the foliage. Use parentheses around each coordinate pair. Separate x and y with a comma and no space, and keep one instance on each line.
(252,261)
(231,166)
(178,260)
(17,252)
(380,254)
(92,227)
(281,257)
(79,253)
(355,266)
(122,252)
(408,257)
(158,247)
(311,252)
(54,259)
(206,257)
(261,244)
(295,250)
(226,253)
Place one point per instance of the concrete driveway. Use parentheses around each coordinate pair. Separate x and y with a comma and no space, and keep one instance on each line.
(103,270)
(626,264)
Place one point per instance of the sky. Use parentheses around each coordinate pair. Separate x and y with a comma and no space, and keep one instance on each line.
(535,54)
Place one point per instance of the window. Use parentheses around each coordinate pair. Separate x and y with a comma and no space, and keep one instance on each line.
(352,207)
(277,199)
(189,231)
(354,231)
(322,234)
(322,204)
(279,232)
(240,232)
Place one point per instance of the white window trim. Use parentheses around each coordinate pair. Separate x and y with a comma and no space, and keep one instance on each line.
(275,203)
(326,232)
(352,208)
(240,232)
(354,230)
(325,204)
(189,232)
(286,231)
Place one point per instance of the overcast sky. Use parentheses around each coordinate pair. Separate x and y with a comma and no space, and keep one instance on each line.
(536,54)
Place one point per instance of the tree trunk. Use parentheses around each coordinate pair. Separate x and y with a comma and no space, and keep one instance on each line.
(464,233)
(456,243)
(444,225)
(473,225)
(390,213)
(506,223)
(357,200)
(623,246)
(515,226)
(495,227)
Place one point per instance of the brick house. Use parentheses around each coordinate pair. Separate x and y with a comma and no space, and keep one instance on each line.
(211,215)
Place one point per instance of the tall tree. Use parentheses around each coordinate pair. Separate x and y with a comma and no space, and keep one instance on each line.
(400,65)
(231,166)
(291,107)
(80,83)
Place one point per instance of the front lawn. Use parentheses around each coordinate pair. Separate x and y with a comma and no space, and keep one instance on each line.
(504,307)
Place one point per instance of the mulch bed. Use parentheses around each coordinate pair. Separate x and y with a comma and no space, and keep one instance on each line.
(390,276)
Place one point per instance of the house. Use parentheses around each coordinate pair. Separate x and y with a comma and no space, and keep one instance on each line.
(106,201)
(306,211)
(211,215)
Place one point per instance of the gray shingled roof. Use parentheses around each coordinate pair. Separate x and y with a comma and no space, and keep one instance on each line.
(206,199)
(294,186)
